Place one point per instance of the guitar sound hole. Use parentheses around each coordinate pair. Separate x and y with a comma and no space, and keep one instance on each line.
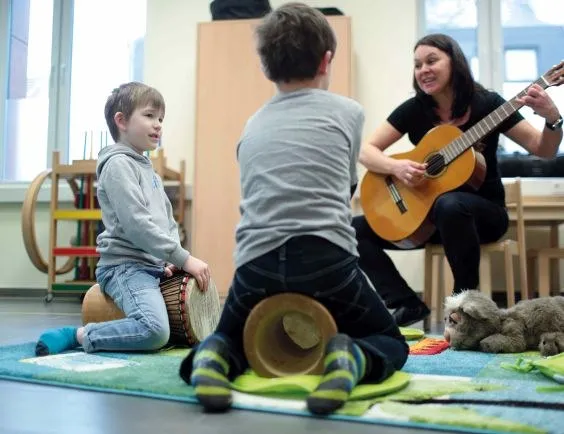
(435,164)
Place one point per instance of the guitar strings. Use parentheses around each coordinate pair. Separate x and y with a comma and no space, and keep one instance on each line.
(437,163)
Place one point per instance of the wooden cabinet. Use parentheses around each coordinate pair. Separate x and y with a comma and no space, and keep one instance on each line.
(230,88)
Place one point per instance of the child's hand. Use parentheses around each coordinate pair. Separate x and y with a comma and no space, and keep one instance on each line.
(200,270)
(170,269)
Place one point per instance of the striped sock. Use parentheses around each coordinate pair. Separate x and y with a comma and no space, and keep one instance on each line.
(210,368)
(345,365)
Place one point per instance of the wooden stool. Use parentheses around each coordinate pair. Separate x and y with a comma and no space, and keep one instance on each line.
(286,334)
(543,258)
(98,307)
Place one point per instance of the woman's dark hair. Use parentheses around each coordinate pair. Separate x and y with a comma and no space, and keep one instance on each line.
(292,40)
(461,79)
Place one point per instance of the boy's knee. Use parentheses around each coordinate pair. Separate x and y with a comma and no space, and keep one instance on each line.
(157,334)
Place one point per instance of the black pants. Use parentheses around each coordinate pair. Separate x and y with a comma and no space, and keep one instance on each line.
(315,267)
(463,221)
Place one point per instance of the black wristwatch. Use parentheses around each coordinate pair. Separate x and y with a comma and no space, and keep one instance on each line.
(557,125)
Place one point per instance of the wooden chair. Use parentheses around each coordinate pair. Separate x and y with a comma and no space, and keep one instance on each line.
(433,294)
(541,257)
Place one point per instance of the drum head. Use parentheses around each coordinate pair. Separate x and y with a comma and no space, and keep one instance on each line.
(204,308)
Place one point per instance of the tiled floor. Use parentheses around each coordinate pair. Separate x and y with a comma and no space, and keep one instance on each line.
(29,408)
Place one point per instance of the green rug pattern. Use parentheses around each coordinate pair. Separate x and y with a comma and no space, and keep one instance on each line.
(413,397)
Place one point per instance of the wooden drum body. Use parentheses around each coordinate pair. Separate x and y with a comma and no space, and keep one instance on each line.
(98,307)
(286,334)
(192,314)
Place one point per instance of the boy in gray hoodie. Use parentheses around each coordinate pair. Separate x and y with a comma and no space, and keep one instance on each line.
(140,243)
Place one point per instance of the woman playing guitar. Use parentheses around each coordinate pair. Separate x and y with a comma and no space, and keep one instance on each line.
(464,218)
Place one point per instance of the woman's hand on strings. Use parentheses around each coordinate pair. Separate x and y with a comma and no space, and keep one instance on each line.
(409,172)
(540,102)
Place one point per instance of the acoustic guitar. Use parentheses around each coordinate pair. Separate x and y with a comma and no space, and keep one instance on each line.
(400,214)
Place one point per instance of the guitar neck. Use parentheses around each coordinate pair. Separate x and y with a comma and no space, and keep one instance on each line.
(486,125)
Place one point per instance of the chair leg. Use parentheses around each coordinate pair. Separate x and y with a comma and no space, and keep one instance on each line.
(531,266)
(509,278)
(430,277)
(448,284)
(485,274)
(554,263)
(524,279)
(436,288)
(544,275)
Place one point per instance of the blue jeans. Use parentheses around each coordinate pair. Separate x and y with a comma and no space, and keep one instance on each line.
(135,290)
(317,268)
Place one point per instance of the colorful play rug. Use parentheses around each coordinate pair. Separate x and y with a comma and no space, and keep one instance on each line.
(439,389)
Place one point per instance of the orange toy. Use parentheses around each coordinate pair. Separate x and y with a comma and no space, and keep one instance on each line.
(428,347)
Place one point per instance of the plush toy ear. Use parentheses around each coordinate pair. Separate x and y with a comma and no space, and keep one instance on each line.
(477,309)
(473,309)
(455,316)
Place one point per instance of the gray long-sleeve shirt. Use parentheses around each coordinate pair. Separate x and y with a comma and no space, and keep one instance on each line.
(297,157)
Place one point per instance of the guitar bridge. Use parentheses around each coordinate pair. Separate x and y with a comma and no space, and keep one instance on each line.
(396,197)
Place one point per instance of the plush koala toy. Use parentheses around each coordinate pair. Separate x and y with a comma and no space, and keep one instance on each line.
(474,322)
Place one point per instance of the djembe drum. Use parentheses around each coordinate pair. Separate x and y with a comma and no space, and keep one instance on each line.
(286,334)
(192,314)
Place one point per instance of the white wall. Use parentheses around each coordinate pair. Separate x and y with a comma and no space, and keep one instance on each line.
(383,60)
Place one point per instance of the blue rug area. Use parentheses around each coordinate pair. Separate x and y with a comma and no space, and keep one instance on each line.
(475,380)
(449,362)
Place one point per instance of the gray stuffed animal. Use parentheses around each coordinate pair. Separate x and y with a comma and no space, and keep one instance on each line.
(474,322)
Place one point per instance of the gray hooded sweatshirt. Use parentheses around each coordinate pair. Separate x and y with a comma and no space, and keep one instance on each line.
(137,214)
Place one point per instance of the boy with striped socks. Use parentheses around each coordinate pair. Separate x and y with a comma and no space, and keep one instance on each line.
(297,158)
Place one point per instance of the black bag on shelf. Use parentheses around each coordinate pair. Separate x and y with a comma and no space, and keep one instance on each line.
(239,9)
(330,11)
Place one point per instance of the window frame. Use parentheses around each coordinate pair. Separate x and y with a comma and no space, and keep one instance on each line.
(60,75)
(59,91)
(5,29)
(60,79)
(489,40)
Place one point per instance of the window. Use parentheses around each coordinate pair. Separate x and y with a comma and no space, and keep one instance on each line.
(533,39)
(529,32)
(103,56)
(521,65)
(458,19)
(60,61)
(27,89)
